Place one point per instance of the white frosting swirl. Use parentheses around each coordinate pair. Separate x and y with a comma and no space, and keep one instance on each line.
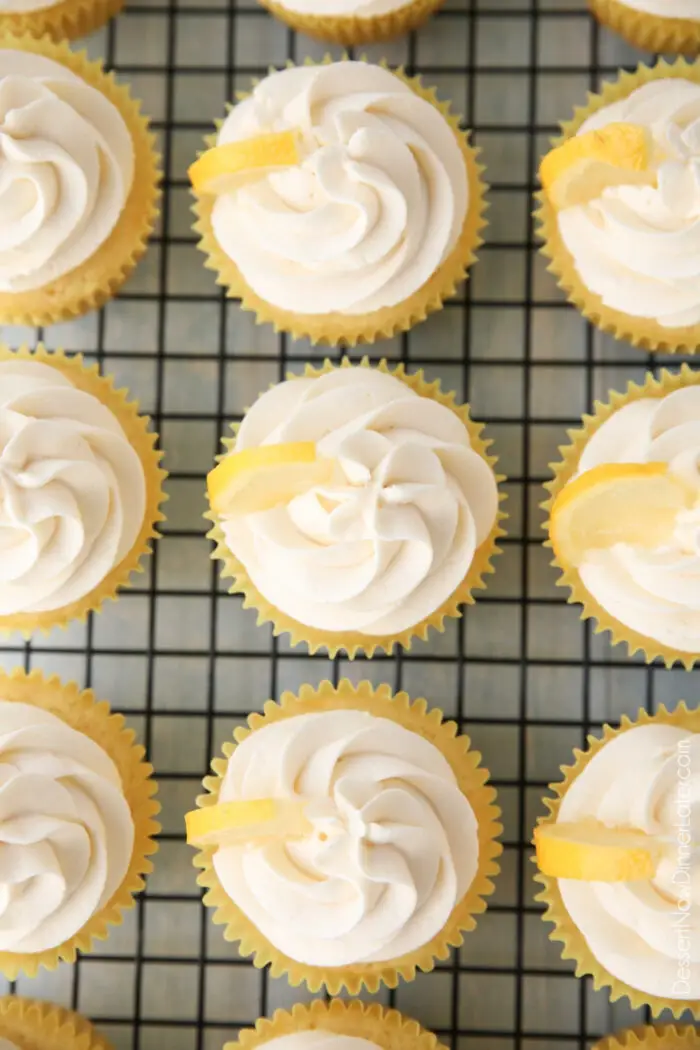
(648,777)
(72,490)
(66,831)
(21,7)
(689,9)
(638,247)
(343,8)
(394,845)
(314,1039)
(66,169)
(654,592)
(392,537)
(375,206)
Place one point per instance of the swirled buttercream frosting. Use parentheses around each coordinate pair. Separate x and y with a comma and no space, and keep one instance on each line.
(375,205)
(645,933)
(72,489)
(638,246)
(393,846)
(66,169)
(387,542)
(66,831)
(686,9)
(315,1039)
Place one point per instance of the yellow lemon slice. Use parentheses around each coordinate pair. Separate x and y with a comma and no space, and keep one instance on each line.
(635,503)
(257,479)
(582,167)
(223,166)
(592,852)
(247,820)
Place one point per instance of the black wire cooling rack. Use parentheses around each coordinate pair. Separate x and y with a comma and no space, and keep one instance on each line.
(186,663)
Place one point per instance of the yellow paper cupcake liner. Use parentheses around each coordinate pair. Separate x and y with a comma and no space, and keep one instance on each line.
(472,779)
(66,20)
(386,1028)
(354,642)
(87,377)
(350,30)
(34,1025)
(646,31)
(643,332)
(334,328)
(575,946)
(96,280)
(80,710)
(567,468)
(652,1037)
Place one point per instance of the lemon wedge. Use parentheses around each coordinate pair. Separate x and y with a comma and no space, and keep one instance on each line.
(257,479)
(582,167)
(592,852)
(635,503)
(223,166)
(247,820)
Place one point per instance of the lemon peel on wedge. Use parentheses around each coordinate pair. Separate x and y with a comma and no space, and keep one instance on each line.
(578,170)
(220,167)
(247,821)
(634,503)
(257,479)
(592,852)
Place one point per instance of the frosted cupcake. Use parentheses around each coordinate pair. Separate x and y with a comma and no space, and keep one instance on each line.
(76,821)
(653,1037)
(81,489)
(624,517)
(349,838)
(653,25)
(619,208)
(340,201)
(26,1024)
(620,872)
(58,19)
(356,508)
(352,22)
(80,177)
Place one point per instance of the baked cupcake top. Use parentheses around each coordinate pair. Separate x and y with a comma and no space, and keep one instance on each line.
(372,206)
(645,778)
(654,591)
(74,491)
(382,544)
(66,830)
(67,169)
(636,244)
(393,846)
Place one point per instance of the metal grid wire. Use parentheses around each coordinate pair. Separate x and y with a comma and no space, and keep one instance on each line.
(186,664)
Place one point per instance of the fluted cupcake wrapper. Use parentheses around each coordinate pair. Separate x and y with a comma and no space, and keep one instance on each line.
(652,1037)
(34,1025)
(646,31)
(81,711)
(65,20)
(643,332)
(472,779)
(566,469)
(96,280)
(354,642)
(388,1029)
(575,946)
(351,329)
(351,30)
(87,378)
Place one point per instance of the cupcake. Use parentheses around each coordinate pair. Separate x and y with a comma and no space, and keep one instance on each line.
(653,25)
(77,824)
(349,839)
(351,22)
(82,485)
(80,183)
(340,202)
(57,19)
(26,1024)
(633,793)
(619,205)
(653,1037)
(384,533)
(623,519)
(335,1025)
